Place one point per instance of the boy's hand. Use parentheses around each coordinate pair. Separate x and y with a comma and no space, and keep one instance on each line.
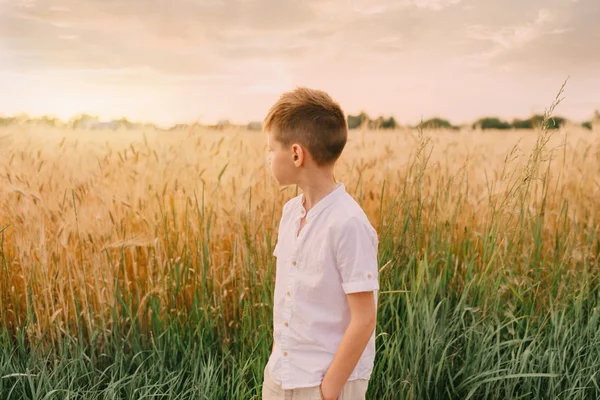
(328,393)
(362,324)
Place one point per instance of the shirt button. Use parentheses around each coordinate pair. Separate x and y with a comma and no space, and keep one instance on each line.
(285,353)
(294,263)
(369,276)
(288,293)
(286,324)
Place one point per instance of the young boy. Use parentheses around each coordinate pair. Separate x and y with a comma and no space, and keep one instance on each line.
(326,285)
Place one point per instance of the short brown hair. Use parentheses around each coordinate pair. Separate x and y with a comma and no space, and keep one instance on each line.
(312,119)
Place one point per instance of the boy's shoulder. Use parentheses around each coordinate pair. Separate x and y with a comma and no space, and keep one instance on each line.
(346,216)
(291,204)
(346,213)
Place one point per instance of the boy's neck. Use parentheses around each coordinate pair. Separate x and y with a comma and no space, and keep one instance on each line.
(316,188)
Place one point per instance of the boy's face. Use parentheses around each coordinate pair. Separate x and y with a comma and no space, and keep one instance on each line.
(281,161)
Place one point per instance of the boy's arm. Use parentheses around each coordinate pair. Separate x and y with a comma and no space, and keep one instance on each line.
(356,259)
(355,340)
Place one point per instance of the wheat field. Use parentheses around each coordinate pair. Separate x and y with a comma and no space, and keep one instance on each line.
(137,264)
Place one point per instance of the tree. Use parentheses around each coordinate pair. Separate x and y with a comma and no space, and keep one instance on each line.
(254,126)
(522,124)
(437,123)
(357,121)
(491,123)
(375,123)
(389,123)
(50,121)
(537,122)
(124,122)
(556,122)
(82,121)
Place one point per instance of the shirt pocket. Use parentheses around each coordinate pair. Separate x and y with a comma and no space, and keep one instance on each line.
(312,284)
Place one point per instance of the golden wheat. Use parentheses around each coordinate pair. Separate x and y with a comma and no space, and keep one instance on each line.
(83,210)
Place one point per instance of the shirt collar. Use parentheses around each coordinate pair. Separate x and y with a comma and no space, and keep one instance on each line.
(321,204)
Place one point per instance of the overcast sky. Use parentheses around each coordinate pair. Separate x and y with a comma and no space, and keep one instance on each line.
(183,60)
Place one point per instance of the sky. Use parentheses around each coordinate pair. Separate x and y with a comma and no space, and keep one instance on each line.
(171,61)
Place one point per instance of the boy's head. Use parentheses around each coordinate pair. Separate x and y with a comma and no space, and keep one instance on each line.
(306,128)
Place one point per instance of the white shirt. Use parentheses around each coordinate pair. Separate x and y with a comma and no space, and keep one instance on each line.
(334,255)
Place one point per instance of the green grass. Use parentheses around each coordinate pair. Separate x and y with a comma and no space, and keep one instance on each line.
(447,329)
(452,324)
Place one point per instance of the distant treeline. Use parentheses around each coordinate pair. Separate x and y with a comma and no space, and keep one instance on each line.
(83,121)
(361,120)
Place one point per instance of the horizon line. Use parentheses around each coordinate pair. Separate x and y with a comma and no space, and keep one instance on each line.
(225,121)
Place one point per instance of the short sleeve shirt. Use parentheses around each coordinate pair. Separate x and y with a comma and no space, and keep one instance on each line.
(335,254)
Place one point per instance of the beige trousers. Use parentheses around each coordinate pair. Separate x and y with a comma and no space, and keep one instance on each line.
(352,390)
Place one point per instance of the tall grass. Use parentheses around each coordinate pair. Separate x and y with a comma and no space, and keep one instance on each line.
(138,264)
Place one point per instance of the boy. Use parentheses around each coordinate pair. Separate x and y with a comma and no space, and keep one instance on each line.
(326,284)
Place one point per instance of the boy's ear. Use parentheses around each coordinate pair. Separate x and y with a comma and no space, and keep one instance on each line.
(298,155)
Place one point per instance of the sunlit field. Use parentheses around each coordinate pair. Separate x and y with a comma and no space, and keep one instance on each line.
(138,264)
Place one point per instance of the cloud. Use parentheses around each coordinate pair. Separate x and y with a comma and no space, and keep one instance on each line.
(216,50)
(507,38)
(59,9)
(26,3)
(511,36)
(564,39)
(68,37)
(435,5)
(214,30)
(180,39)
(370,8)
